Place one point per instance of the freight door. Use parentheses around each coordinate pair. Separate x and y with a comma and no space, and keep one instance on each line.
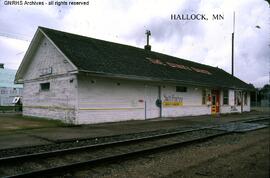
(151,97)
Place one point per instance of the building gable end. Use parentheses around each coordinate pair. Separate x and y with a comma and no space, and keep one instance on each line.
(48,56)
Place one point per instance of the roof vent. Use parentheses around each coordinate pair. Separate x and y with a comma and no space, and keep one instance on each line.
(1,66)
(147,46)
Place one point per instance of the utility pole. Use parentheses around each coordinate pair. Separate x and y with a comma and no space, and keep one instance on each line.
(233,44)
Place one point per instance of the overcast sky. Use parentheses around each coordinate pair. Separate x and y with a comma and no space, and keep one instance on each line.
(125,21)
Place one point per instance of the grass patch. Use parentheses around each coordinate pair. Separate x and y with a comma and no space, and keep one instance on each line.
(48,121)
(45,121)
(14,122)
(10,108)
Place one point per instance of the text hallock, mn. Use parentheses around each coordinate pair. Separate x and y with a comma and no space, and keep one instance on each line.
(196,17)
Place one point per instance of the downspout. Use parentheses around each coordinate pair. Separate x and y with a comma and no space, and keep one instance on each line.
(145,104)
(77,109)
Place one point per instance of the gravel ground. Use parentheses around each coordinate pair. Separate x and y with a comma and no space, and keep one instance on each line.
(83,142)
(28,165)
(235,155)
(95,140)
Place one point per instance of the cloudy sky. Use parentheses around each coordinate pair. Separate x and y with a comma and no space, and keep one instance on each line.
(125,21)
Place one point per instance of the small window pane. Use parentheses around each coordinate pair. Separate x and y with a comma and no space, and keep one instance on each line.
(45,86)
(181,89)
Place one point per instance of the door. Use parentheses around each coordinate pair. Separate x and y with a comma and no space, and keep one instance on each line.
(215,102)
(151,96)
(213,107)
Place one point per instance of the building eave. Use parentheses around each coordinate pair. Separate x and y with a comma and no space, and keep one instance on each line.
(155,80)
(33,44)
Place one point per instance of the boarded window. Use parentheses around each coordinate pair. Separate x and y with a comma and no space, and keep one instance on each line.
(181,89)
(45,86)
(225,97)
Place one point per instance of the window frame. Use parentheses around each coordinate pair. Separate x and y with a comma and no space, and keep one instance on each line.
(245,97)
(226,97)
(204,97)
(45,86)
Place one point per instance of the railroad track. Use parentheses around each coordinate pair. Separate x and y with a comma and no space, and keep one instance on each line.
(58,162)
(263,119)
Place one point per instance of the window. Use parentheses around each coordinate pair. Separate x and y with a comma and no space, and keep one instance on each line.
(203,96)
(237,98)
(181,89)
(14,91)
(206,96)
(225,97)
(245,98)
(45,86)
(3,91)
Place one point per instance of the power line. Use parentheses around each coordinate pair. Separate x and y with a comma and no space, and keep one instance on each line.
(13,36)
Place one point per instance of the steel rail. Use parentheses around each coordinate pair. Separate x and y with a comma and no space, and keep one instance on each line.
(107,159)
(258,119)
(94,146)
(113,158)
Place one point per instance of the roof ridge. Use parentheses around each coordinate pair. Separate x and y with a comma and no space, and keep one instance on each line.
(106,57)
(74,34)
(126,45)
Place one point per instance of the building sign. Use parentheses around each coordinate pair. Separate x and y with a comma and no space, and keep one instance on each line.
(171,101)
(155,61)
(178,66)
(201,71)
(46,71)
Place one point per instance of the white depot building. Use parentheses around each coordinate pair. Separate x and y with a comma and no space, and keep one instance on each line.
(83,80)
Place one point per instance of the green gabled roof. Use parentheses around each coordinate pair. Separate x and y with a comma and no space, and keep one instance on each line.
(98,56)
